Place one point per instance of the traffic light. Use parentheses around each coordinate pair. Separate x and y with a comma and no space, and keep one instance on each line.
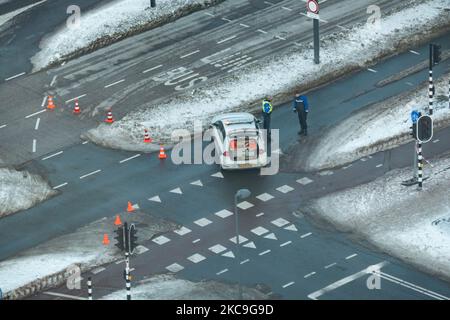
(120,238)
(132,238)
(424,130)
(436,54)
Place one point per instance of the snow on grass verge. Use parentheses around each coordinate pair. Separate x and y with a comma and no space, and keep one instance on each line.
(20,190)
(34,269)
(367,132)
(402,221)
(108,24)
(167,287)
(340,51)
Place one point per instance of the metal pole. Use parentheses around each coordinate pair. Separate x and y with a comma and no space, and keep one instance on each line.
(89,285)
(420,164)
(127,275)
(238,257)
(415,161)
(316,41)
(449,93)
(430,82)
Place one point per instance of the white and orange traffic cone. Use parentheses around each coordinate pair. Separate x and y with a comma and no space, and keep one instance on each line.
(109,117)
(76,109)
(147,138)
(105,239)
(130,207)
(162,153)
(117,222)
(50,104)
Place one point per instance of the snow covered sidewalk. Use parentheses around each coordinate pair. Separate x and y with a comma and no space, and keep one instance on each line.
(20,190)
(343,50)
(409,224)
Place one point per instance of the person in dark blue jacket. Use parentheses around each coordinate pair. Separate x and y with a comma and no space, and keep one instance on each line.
(301,106)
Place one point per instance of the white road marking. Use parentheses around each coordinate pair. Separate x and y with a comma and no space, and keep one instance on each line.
(242,239)
(114,83)
(288,284)
(306,235)
(345,280)
(90,174)
(280,222)
(346,167)
(304,181)
(330,265)
(225,19)
(410,84)
(218,248)
(286,8)
(285,243)
(155,199)
(265,197)
(262,31)
(271,236)
(130,158)
(372,70)
(244,25)
(16,76)
(223,213)
(285,189)
(209,14)
(259,231)
(226,39)
(196,240)
(202,222)
(44,100)
(264,252)
(52,155)
(197,183)
(280,38)
(379,165)
(140,249)
(363,159)
(351,256)
(259,214)
(182,231)
(269,3)
(53,80)
(34,145)
(98,270)
(414,52)
(153,68)
(60,186)
(222,271)
(309,275)
(436,141)
(291,227)
(176,190)
(175,267)
(228,254)
(62,295)
(326,173)
(73,99)
(244,205)
(161,240)
(196,258)
(84,142)
(119,261)
(2,126)
(189,54)
(217,175)
(342,27)
(33,114)
(245,261)
(250,245)
(38,120)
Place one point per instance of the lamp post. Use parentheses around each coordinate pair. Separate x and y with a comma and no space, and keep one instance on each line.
(240,194)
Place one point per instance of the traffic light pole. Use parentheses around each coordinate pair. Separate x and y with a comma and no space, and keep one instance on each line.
(127,275)
(430,81)
(419,165)
(89,286)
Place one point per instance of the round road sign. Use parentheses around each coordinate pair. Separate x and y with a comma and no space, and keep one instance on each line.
(312,6)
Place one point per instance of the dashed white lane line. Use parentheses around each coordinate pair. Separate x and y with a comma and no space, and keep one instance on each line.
(36,113)
(76,98)
(98,270)
(222,271)
(226,39)
(202,222)
(34,145)
(264,252)
(304,181)
(130,158)
(330,265)
(2,126)
(175,267)
(224,213)
(60,186)
(196,258)
(90,173)
(52,155)
(285,189)
(351,256)
(225,19)
(38,121)
(196,240)
(265,197)
(153,68)
(189,54)
(309,275)
(209,14)
(244,205)
(85,142)
(259,214)
(269,3)
(244,25)
(114,83)
(53,80)
(280,222)
(15,76)
(306,235)
(288,284)
(218,248)
(44,100)
(182,231)
(372,70)
(414,52)
(262,31)
(62,295)
(286,8)
(280,38)
(259,231)
(379,165)
(285,243)
(436,141)
(161,240)
(245,261)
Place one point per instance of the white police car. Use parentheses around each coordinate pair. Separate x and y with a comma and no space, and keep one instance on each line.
(239,141)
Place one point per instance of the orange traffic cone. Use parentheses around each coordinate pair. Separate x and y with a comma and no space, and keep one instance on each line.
(76,109)
(117,222)
(105,239)
(50,104)
(109,117)
(147,138)
(162,153)
(130,207)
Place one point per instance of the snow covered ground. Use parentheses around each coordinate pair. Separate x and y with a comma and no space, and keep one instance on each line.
(342,50)
(402,221)
(167,287)
(356,136)
(118,17)
(83,247)
(20,190)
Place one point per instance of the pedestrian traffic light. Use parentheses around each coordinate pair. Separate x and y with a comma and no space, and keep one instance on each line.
(436,54)
(424,129)
(120,237)
(132,238)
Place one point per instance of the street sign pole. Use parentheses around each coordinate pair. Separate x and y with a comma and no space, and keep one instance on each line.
(316,41)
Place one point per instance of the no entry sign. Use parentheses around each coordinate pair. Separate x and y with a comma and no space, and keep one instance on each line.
(312,6)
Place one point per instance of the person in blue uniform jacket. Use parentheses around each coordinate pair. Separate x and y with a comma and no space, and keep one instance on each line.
(301,106)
